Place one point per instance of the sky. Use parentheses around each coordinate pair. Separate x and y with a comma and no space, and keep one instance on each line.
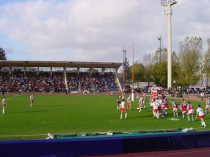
(96,30)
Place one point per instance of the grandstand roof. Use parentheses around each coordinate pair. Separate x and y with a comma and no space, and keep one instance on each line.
(9,63)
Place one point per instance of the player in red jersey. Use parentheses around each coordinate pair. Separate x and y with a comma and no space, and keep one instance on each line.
(190,112)
(183,106)
(165,105)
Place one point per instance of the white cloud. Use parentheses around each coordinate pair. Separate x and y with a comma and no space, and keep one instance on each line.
(96,30)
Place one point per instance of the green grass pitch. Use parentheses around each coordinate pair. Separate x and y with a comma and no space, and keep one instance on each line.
(58,114)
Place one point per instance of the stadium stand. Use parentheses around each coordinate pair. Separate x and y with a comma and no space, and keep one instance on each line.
(15,78)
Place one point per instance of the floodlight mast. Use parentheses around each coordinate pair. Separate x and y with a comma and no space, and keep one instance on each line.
(168,4)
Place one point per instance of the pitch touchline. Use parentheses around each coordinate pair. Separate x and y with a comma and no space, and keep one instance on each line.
(78,133)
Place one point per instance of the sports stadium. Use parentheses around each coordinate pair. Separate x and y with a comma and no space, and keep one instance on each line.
(75,108)
(74,113)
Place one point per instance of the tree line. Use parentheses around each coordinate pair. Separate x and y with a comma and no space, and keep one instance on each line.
(188,65)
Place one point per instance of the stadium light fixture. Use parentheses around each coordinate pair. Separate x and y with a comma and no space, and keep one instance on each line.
(160,39)
(168,4)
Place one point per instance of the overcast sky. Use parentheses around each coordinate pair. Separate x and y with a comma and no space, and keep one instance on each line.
(95,30)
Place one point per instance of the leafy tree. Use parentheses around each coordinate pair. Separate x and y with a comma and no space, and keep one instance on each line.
(126,69)
(2,54)
(190,59)
(207,59)
(159,70)
(160,73)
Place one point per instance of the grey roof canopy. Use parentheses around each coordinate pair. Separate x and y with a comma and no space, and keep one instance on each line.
(9,63)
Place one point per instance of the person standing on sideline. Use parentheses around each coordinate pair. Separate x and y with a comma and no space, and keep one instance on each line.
(202,96)
(200,113)
(123,109)
(31,100)
(207,107)
(118,102)
(3,105)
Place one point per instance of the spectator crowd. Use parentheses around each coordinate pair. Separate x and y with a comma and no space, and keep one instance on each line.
(31,81)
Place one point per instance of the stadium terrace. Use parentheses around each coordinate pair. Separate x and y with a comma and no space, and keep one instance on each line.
(58,76)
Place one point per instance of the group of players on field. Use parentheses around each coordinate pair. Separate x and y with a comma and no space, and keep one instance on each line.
(160,106)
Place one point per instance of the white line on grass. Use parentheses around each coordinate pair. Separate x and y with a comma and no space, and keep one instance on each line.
(21,135)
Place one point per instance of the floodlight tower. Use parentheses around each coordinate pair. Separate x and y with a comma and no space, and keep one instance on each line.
(168,4)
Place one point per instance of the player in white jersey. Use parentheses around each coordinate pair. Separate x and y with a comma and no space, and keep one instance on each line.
(200,113)
(132,95)
(141,102)
(155,106)
(3,105)
(31,98)
(144,97)
(159,101)
(123,109)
